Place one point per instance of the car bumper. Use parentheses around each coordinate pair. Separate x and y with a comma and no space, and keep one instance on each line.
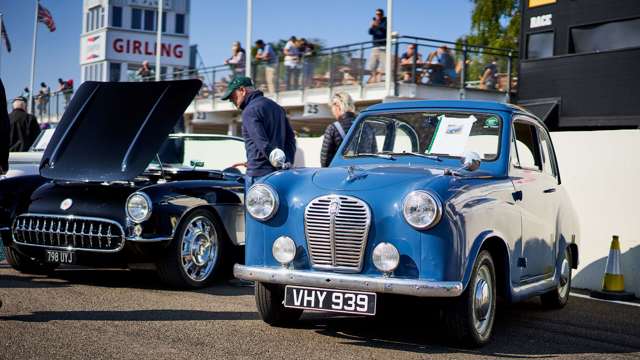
(387,285)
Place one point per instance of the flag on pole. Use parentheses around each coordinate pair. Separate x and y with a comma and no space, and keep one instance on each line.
(5,38)
(44,16)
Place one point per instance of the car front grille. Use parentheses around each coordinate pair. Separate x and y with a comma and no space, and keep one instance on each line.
(336,227)
(68,232)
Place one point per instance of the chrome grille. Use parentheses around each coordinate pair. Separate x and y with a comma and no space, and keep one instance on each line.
(68,232)
(336,227)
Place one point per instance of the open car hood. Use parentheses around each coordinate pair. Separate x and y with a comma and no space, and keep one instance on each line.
(111,131)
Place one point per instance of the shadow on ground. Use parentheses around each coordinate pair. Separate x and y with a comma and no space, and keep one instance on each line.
(132,315)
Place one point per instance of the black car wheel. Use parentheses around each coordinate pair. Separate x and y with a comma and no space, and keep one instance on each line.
(269,301)
(196,255)
(470,317)
(558,297)
(25,264)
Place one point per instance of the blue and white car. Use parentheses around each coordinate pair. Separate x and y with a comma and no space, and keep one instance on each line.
(433,199)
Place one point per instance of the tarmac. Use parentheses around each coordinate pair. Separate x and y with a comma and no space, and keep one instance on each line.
(106,314)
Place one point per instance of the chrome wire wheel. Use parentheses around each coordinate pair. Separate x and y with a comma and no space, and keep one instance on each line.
(199,249)
(483,300)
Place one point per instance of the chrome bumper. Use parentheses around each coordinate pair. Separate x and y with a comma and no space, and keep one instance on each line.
(419,288)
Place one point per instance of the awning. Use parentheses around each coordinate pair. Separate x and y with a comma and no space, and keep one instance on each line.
(545,109)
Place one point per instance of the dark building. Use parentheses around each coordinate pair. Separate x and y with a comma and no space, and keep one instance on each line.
(580,62)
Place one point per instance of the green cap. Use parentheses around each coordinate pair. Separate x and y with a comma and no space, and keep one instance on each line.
(236,83)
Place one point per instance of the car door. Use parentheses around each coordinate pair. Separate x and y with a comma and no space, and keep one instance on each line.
(533,195)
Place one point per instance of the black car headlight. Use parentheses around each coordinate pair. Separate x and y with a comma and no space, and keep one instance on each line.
(138,207)
(421,209)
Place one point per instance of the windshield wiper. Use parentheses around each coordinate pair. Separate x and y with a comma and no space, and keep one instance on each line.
(382,156)
(431,157)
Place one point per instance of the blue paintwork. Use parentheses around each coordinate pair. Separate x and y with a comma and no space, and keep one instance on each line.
(478,206)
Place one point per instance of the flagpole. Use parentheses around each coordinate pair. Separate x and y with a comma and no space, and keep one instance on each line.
(33,57)
(159,40)
(1,39)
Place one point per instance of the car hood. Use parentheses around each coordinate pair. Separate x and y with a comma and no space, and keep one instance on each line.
(371,177)
(111,131)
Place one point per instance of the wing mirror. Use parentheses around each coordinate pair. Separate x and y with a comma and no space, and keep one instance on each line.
(278,159)
(471,161)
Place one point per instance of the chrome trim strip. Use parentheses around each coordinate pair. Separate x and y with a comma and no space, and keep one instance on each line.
(5,229)
(141,239)
(387,285)
(71,217)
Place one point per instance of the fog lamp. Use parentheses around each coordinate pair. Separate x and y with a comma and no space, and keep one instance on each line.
(284,250)
(137,230)
(386,257)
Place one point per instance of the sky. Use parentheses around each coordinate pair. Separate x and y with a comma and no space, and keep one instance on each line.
(215,24)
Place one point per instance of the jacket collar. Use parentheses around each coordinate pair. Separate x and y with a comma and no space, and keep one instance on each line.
(254,94)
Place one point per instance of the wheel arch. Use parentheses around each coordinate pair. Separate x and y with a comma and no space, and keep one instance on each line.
(495,244)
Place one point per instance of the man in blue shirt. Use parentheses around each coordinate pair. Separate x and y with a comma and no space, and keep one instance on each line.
(266,58)
(378,32)
(265,127)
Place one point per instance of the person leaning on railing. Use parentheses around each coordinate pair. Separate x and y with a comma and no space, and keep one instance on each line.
(237,61)
(266,58)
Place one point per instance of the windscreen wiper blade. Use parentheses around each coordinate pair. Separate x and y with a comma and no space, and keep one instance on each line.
(432,157)
(382,156)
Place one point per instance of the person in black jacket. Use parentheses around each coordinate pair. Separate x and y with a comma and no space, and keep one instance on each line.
(265,127)
(24,126)
(4,131)
(344,111)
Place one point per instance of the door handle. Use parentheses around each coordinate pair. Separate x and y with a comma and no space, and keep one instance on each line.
(517,195)
(549,191)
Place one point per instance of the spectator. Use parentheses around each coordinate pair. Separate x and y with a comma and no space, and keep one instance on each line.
(238,59)
(267,59)
(43,99)
(25,93)
(144,73)
(24,126)
(265,127)
(66,89)
(308,61)
(407,62)
(442,69)
(343,110)
(292,66)
(5,128)
(378,31)
(489,78)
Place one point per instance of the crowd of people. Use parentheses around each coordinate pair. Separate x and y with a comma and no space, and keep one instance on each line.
(42,100)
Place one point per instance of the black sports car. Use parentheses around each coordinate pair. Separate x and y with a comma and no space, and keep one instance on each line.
(115,189)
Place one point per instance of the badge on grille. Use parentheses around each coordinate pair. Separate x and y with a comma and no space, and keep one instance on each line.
(66,204)
(333,207)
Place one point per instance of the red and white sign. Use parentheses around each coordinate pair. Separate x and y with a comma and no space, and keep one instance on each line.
(92,48)
(137,47)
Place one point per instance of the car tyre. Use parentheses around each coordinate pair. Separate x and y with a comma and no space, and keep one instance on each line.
(269,301)
(558,297)
(470,317)
(25,264)
(197,255)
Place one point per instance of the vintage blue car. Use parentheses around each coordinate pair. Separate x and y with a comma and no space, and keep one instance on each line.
(434,199)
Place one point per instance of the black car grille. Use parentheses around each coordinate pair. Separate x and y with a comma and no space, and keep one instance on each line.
(68,232)
(336,228)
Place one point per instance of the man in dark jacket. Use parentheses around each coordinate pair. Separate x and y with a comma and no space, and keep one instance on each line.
(343,110)
(24,126)
(4,131)
(265,127)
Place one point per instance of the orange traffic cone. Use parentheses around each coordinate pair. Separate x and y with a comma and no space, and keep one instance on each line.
(613,281)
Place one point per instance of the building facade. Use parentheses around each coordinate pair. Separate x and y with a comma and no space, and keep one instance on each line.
(119,35)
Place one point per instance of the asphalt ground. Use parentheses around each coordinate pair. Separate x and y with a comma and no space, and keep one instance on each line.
(101,314)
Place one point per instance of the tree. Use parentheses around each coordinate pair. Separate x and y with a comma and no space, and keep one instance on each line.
(495,23)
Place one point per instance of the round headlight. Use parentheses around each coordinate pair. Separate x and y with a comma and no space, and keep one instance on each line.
(284,250)
(261,202)
(421,209)
(386,257)
(138,207)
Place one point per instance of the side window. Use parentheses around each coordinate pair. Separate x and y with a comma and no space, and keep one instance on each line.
(527,146)
(548,160)
(406,139)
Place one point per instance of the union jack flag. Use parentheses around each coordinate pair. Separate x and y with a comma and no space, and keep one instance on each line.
(44,16)
(5,37)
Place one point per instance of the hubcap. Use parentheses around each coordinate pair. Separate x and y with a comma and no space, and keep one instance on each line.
(565,276)
(483,300)
(199,249)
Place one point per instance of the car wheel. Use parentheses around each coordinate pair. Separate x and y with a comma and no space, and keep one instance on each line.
(470,317)
(269,301)
(25,264)
(196,255)
(558,297)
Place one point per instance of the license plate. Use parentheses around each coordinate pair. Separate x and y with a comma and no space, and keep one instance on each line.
(61,257)
(351,302)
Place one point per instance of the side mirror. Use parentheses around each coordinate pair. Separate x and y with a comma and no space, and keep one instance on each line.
(471,161)
(277,158)
(197,163)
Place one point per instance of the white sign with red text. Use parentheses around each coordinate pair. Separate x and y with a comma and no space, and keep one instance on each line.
(92,48)
(137,47)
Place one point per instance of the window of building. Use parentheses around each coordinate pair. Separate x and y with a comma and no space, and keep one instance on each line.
(136,19)
(114,71)
(608,36)
(95,18)
(164,21)
(116,16)
(149,20)
(179,23)
(540,45)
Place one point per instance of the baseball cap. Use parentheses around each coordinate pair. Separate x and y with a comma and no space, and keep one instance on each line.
(236,83)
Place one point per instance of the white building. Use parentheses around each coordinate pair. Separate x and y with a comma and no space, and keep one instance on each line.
(118,35)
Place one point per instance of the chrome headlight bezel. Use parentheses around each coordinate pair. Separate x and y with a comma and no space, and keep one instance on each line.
(136,196)
(427,196)
(274,200)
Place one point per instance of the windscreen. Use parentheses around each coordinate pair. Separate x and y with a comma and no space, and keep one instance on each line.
(448,134)
(208,153)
